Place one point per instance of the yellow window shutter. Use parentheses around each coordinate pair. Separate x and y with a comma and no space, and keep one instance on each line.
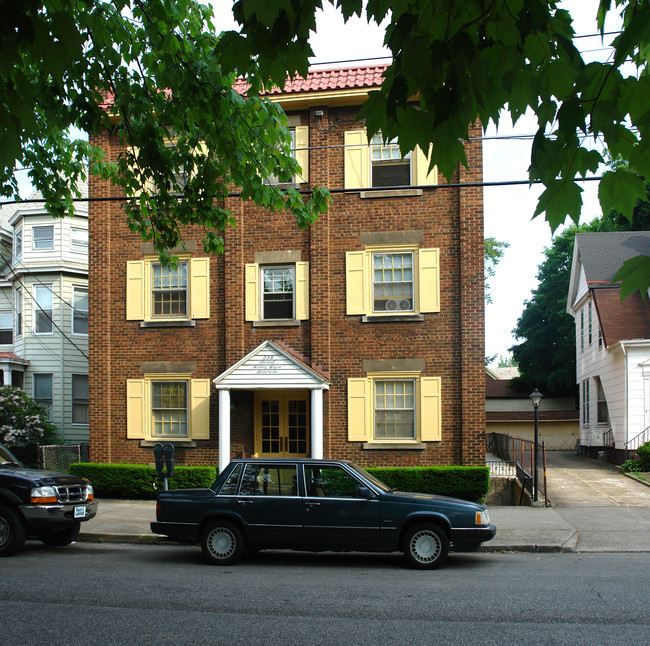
(356,282)
(252,297)
(429,279)
(135,409)
(357,159)
(135,290)
(302,152)
(359,409)
(200,288)
(302,291)
(200,409)
(430,410)
(422,176)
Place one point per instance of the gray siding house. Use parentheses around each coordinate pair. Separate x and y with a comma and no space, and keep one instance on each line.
(44,311)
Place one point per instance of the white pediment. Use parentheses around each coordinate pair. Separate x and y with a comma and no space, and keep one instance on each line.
(269,366)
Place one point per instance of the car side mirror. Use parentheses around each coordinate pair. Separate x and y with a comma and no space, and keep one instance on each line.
(364,492)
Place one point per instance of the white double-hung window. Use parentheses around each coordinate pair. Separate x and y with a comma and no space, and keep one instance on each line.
(392,282)
(388,167)
(43,309)
(278,292)
(169,409)
(394,409)
(169,290)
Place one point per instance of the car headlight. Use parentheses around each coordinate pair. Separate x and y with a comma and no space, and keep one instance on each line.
(90,492)
(482,517)
(42,495)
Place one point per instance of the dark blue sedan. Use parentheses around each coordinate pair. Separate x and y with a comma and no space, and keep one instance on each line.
(317,505)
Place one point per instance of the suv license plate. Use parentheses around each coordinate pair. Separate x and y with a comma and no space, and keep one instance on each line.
(79,512)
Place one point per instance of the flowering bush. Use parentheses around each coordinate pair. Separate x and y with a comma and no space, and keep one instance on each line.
(23,423)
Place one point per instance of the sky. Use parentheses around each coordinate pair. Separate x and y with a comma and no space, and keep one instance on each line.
(508,209)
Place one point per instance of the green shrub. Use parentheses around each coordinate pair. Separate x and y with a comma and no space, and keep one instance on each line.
(468,483)
(631,466)
(643,453)
(137,481)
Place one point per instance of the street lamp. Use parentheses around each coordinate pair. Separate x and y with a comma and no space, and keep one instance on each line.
(536,399)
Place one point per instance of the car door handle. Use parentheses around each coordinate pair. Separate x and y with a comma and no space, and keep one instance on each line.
(244,502)
(312,504)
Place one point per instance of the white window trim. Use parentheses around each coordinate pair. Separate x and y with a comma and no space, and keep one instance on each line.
(414,277)
(74,309)
(72,399)
(292,268)
(170,317)
(392,439)
(38,308)
(9,314)
(18,332)
(75,243)
(152,409)
(42,226)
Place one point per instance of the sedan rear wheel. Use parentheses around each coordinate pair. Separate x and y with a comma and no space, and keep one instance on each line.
(12,531)
(426,546)
(222,543)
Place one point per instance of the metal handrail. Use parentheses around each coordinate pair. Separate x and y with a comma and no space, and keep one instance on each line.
(645,434)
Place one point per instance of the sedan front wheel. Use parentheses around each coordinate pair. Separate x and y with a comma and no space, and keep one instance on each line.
(425,546)
(222,543)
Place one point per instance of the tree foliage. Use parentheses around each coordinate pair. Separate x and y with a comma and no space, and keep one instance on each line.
(494,251)
(147,68)
(546,356)
(167,71)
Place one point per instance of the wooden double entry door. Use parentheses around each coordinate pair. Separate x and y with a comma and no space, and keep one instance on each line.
(282,424)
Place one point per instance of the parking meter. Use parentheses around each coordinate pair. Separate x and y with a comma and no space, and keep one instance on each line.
(164,457)
(168,451)
(158,456)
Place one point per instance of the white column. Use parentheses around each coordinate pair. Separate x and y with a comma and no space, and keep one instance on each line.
(224,429)
(6,376)
(317,423)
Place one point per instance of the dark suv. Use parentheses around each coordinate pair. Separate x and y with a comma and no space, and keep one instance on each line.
(40,503)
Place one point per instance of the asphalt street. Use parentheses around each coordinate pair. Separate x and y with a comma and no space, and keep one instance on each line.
(89,594)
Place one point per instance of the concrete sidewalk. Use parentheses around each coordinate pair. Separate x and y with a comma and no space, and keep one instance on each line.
(595,508)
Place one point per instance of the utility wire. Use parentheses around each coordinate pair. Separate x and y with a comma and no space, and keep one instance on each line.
(33,299)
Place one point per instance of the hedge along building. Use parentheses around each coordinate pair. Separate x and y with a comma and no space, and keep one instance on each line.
(359,338)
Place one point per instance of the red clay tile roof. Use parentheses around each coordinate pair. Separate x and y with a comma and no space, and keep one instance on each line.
(327,80)
(629,319)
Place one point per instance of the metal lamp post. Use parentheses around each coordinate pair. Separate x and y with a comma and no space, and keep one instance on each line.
(535,398)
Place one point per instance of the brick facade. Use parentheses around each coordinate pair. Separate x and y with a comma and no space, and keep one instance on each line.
(451,341)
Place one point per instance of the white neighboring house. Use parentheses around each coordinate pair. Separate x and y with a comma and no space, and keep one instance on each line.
(44,311)
(612,343)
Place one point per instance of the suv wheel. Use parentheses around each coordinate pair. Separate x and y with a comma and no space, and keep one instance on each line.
(425,546)
(222,543)
(60,537)
(12,531)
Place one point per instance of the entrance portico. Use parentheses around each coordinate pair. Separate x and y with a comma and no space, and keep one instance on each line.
(288,403)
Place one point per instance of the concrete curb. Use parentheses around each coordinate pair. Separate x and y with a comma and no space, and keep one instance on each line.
(152,539)
(631,476)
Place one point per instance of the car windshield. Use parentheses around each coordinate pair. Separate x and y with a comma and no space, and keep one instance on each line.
(6,457)
(376,481)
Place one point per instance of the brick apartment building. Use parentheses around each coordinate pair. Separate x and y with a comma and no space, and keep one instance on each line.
(360,338)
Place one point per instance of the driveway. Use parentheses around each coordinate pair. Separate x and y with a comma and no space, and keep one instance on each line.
(609,511)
